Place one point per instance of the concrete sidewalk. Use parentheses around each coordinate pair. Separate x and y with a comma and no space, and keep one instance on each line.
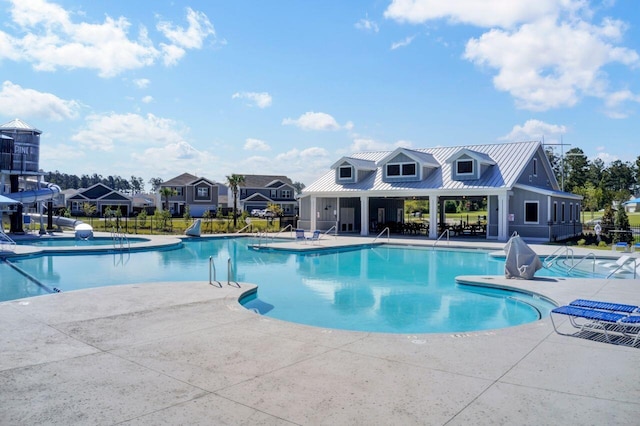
(188,353)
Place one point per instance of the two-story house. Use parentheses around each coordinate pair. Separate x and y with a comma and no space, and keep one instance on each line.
(199,193)
(258,191)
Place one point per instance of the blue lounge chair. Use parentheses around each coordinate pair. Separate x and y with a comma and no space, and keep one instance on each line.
(605,306)
(612,325)
(300,235)
(314,237)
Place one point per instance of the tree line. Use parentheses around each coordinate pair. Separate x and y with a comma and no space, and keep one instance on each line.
(133,185)
(599,184)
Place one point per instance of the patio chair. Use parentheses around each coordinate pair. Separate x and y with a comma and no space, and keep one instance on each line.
(300,235)
(314,237)
(613,325)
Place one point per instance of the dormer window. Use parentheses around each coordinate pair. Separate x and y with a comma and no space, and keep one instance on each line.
(346,172)
(464,167)
(401,169)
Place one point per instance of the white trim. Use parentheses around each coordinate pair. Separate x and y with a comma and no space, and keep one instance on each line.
(351,172)
(401,169)
(466,160)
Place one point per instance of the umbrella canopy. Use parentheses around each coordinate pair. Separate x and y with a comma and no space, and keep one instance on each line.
(7,201)
(634,201)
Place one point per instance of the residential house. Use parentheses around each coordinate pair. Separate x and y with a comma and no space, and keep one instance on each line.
(515,180)
(199,193)
(100,196)
(258,191)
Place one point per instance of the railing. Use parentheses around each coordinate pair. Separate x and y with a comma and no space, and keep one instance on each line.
(248,226)
(590,254)
(120,239)
(289,227)
(548,261)
(387,230)
(231,274)
(6,240)
(445,232)
(635,267)
(212,273)
(334,228)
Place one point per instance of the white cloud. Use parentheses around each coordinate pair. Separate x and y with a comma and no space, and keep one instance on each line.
(49,39)
(544,65)
(20,102)
(407,41)
(194,35)
(606,157)
(546,53)
(147,99)
(104,132)
(314,121)
(485,13)
(172,159)
(365,24)
(534,130)
(256,145)
(142,83)
(303,165)
(259,99)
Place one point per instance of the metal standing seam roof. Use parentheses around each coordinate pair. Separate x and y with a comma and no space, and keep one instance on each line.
(17,124)
(510,160)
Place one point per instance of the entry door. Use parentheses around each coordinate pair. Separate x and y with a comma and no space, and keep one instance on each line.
(347,218)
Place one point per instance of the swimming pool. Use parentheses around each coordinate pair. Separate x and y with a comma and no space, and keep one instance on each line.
(75,242)
(383,288)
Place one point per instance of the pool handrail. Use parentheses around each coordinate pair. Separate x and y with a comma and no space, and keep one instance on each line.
(289,226)
(556,254)
(585,257)
(7,240)
(635,267)
(231,274)
(387,230)
(249,225)
(446,231)
(334,228)
(212,271)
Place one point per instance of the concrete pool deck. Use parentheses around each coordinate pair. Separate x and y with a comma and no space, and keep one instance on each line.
(188,353)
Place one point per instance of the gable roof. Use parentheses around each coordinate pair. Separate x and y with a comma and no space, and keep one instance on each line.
(482,157)
(510,160)
(180,180)
(424,158)
(263,181)
(358,163)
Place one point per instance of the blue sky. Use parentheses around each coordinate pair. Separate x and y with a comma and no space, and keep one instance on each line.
(156,89)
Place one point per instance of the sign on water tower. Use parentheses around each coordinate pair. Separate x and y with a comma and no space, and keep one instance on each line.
(26,150)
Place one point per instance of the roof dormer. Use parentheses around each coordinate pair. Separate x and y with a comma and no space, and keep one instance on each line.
(352,170)
(469,165)
(404,165)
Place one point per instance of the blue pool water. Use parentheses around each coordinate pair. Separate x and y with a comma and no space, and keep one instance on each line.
(382,289)
(71,242)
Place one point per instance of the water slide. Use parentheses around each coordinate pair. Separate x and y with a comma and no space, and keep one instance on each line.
(46,192)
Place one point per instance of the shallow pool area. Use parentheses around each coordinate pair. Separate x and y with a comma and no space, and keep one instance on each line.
(77,242)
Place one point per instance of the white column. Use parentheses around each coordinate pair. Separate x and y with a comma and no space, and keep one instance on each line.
(364,215)
(503,217)
(313,214)
(433,217)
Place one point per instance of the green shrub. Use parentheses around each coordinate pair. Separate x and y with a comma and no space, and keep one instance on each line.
(582,242)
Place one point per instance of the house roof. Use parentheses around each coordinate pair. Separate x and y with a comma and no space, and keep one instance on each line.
(263,181)
(356,162)
(425,158)
(510,161)
(181,180)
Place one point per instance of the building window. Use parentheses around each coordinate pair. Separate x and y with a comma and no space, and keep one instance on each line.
(401,169)
(274,193)
(203,192)
(577,219)
(345,172)
(555,212)
(178,190)
(570,212)
(464,167)
(535,167)
(393,169)
(530,212)
(562,213)
(286,193)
